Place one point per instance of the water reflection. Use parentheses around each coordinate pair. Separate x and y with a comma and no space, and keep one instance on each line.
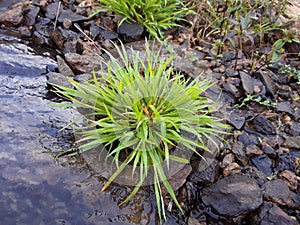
(33,188)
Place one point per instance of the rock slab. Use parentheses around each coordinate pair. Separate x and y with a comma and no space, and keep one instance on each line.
(233,196)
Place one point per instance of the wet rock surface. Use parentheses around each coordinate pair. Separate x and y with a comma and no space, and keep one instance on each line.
(270,213)
(233,196)
(278,192)
(253,179)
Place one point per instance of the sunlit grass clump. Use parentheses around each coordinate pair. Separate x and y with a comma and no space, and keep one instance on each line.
(155,15)
(141,107)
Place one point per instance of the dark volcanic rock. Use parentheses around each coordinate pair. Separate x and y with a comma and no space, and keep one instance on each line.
(94,31)
(51,10)
(252,150)
(247,82)
(68,14)
(238,149)
(131,31)
(109,35)
(232,169)
(293,129)
(31,15)
(63,67)
(82,63)
(278,192)
(59,79)
(178,179)
(267,149)
(233,196)
(58,39)
(270,213)
(207,175)
(285,162)
(43,28)
(292,142)
(231,89)
(69,35)
(12,18)
(262,125)
(284,107)
(248,139)
(263,163)
(289,178)
(269,83)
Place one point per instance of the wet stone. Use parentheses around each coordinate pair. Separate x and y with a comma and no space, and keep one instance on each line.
(207,175)
(131,31)
(270,213)
(263,125)
(228,159)
(31,15)
(292,142)
(237,120)
(12,18)
(82,63)
(289,178)
(94,31)
(278,192)
(51,10)
(58,39)
(232,169)
(109,35)
(63,67)
(68,14)
(284,107)
(233,196)
(263,163)
(267,149)
(178,179)
(59,79)
(238,149)
(252,150)
(293,129)
(268,82)
(248,139)
(231,89)
(285,162)
(68,34)
(247,82)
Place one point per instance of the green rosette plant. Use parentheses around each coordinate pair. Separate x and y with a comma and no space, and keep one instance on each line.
(143,109)
(155,15)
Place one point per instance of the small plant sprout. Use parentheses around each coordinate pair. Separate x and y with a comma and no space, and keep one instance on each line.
(146,116)
(259,100)
(289,36)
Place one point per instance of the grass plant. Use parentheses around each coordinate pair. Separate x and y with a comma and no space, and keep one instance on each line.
(155,15)
(243,25)
(144,109)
